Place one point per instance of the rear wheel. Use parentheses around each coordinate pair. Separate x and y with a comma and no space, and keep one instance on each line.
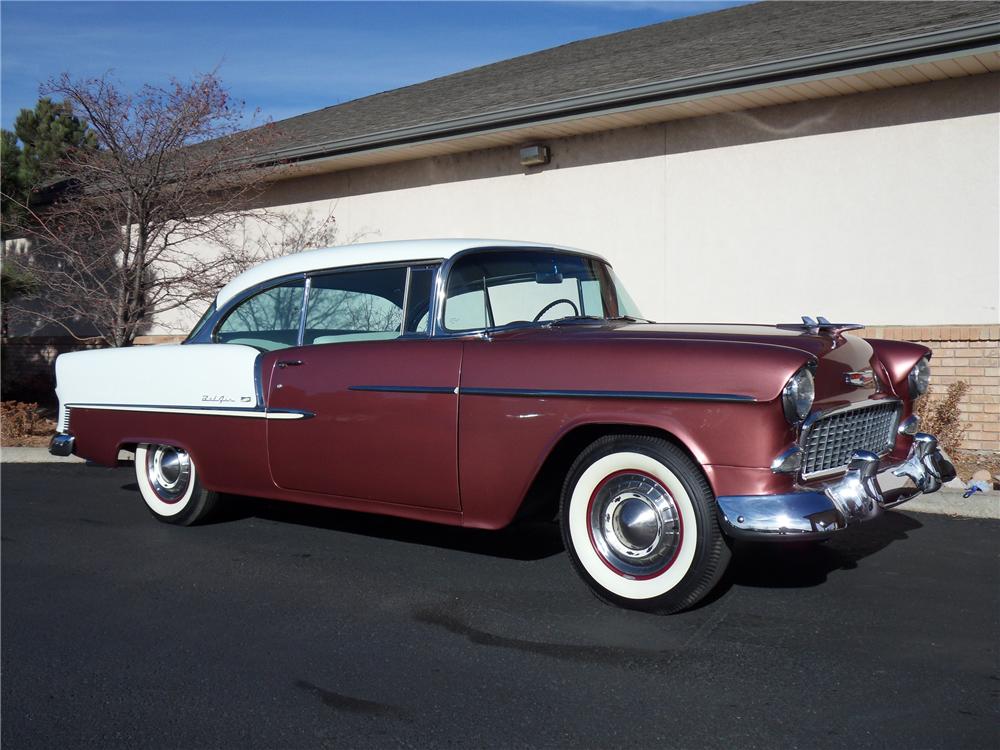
(168,481)
(639,521)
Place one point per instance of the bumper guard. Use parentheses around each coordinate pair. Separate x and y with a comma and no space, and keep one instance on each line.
(61,445)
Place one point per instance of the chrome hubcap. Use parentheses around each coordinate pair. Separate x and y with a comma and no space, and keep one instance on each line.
(635,525)
(169,472)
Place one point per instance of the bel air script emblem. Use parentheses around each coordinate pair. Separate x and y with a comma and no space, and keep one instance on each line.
(218,399)
(862,379)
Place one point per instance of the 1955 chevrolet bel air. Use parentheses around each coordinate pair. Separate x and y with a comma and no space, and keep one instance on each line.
(478,382)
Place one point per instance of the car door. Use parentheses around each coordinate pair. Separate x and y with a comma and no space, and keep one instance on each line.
(382,394)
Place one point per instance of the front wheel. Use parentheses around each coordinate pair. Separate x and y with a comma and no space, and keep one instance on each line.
(639,521)
(168,482)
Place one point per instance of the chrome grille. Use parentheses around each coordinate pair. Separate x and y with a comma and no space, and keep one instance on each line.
(64,427)
(828,443)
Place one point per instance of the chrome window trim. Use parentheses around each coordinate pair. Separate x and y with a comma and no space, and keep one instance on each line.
(438,329)
(817,416)
(302,313)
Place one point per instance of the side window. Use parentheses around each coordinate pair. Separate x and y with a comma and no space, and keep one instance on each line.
(355,306)
(266,321)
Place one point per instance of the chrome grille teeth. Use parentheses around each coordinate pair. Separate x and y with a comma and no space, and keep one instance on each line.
(830,441)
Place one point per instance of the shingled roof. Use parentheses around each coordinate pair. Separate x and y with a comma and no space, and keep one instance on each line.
(760,39)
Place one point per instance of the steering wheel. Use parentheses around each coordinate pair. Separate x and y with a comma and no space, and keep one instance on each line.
(576,310)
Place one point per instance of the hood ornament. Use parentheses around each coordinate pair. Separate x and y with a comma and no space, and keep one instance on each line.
(820,325)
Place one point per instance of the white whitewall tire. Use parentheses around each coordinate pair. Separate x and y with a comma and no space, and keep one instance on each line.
(639,522)
(169,484)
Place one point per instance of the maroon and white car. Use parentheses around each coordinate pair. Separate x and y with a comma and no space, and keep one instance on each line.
(474,383)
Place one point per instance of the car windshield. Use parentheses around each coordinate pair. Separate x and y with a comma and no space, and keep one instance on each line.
(493,289)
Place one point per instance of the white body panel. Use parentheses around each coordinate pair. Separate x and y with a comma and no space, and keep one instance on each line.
(197,376)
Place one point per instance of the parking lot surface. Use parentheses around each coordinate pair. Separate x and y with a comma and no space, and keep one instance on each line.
(285,626)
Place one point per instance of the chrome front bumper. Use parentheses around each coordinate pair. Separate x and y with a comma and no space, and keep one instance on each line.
(816,511)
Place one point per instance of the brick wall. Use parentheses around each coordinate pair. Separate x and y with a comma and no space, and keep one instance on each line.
(969,353)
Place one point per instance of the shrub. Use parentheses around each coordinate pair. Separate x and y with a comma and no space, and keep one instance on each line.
(943,417)
(18,420)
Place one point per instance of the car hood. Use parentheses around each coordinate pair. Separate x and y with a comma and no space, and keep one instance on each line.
(815,344)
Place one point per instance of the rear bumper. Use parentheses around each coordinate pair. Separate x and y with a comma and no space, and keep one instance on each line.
(817,511)
(61,445)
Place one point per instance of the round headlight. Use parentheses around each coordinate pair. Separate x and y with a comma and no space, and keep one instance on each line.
(920,378)
(797,396)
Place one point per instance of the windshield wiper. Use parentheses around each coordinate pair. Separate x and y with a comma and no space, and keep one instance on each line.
(631,319)
(571,319)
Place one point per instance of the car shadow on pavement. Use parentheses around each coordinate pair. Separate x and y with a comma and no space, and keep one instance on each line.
(521,541)
(806,564)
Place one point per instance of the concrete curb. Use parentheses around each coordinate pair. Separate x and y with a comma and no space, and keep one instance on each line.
(34,456)
(945,502)
(948,502)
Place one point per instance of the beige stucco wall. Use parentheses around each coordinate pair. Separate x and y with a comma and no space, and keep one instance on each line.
(882,208)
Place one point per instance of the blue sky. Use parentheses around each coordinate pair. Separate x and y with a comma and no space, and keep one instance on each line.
(292,57)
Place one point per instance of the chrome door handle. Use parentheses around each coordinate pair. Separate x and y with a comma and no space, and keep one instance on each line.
(289,363)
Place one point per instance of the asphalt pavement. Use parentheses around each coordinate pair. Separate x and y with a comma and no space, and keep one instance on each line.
(283,626)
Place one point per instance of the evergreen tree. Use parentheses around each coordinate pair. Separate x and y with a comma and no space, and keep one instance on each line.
(32,153)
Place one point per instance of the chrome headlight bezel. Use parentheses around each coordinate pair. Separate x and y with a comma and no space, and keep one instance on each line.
(919,378)
(798,395)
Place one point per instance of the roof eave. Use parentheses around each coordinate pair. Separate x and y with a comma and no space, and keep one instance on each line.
(963,39)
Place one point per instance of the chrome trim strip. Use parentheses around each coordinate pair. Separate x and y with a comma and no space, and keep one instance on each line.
(645,395)
(405,388)
(205,411)
(304,311)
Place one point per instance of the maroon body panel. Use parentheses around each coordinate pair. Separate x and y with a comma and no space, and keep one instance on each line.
(230,453)
(391,446)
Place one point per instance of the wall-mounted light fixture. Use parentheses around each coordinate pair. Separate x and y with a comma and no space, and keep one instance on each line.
(532,156)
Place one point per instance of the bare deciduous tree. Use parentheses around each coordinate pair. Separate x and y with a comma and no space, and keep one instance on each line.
(156,217)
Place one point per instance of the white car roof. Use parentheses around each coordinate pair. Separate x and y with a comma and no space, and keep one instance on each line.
(362,254)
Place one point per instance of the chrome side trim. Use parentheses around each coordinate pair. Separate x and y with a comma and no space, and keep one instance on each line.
(644,395)
(204,411)
(405,388)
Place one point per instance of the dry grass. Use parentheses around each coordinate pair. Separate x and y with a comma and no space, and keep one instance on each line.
(943,419)
(24,424)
